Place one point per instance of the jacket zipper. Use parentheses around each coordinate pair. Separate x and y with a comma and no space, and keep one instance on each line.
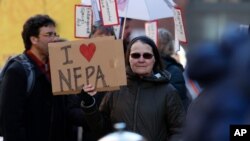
(136,109)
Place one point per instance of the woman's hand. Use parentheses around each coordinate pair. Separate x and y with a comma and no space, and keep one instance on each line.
(90,89)
(86,95)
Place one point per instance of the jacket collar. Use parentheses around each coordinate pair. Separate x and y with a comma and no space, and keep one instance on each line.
(158,77)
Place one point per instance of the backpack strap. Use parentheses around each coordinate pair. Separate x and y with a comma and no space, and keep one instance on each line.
(5,67)
(28,67)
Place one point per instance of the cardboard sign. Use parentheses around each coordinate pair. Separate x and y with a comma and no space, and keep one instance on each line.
(109,12)
(96,61)
(83,21)
(151,30)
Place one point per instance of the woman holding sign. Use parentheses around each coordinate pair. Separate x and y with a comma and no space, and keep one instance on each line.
(149,104)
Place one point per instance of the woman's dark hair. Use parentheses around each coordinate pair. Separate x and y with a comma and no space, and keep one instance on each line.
(32,28)
(144,39)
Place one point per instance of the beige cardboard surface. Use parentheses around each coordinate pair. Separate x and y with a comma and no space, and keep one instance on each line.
(97,61)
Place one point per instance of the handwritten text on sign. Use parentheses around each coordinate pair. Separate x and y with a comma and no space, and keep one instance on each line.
(179,26)
(83,21)
(109,12)
(77,63)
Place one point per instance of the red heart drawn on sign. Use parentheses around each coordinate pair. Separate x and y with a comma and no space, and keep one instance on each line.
(88,51)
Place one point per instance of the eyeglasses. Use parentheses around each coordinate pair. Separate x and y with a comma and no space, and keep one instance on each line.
(50,34)
(138,55)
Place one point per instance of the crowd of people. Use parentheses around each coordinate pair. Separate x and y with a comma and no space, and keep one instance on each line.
(155,103)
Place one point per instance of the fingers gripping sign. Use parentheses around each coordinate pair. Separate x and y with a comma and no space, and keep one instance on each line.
(90,89)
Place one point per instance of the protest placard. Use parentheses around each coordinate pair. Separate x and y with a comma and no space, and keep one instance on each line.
(96,61)
(151,30)
(83,21)
(179,25)
(109,12)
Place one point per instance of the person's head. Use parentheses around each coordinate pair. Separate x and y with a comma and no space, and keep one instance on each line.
(98,30)
(165,42)
(142,56)
(38,31)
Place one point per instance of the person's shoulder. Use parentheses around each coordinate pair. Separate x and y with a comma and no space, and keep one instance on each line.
(171,87)
(172,64)
(15,67)
(175,68)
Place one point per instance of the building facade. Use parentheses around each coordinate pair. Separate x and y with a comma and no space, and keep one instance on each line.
(206,19)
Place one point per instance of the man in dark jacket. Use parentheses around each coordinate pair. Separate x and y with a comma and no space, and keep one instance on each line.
(38,116)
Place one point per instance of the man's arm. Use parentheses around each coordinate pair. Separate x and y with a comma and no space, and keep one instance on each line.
(14,94)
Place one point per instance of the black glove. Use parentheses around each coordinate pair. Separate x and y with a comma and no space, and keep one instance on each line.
(86,99)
